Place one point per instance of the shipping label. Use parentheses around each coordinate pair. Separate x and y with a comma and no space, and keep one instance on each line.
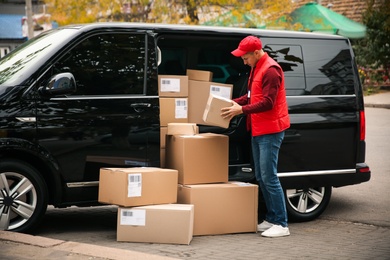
(170,85)
(133,217)
(181,108)
(220,91)
(134,186)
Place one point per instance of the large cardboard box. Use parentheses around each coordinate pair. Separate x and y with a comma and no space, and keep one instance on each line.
(173,110)
(182,129)
(177,129)
(172,86)
(163,133)
(201,75)
(200,158)
(174,129)
(162,157)
(137,186)
(222,208)
(165,223)
(198,95)
(212,112)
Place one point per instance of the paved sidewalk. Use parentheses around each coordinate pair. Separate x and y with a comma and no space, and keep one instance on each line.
(381,100)
(14,246)
(319,239)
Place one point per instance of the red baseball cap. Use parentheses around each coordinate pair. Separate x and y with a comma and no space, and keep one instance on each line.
(248,44)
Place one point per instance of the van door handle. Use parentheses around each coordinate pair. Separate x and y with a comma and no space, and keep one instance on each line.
(139,107)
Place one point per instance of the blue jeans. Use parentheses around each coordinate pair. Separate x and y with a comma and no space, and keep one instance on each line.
(265,151)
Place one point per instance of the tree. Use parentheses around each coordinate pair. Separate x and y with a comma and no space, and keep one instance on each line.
(374,50)
(167,11)
(30,32)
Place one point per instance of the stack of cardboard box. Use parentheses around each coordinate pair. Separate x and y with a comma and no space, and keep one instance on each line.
(148,209)
(189,98)
(190,194)
(192,98)
(202,94)
(202,161)
(173,97)
(221,207)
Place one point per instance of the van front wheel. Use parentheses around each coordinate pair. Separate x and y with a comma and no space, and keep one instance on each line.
(23,196)
(307,204)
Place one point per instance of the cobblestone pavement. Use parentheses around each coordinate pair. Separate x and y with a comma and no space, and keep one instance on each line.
(319,239)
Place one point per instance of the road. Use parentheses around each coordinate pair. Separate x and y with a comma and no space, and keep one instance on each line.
(368,202)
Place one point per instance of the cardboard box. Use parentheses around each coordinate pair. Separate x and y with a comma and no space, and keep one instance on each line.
(182,129)
(177,129)
(137,186)
(201,158)
(167,223)
(174,129)
(212,112)
(172,86)
(173,110)
(162,157)
(201,75)
(198,95)
(163,133)
(222,208)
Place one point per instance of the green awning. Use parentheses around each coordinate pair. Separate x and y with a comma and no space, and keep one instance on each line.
(318,18)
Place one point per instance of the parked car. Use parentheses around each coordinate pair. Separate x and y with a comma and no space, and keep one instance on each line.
(82,97)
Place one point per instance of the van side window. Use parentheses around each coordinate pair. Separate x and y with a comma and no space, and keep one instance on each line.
(107,64)
(328,66)
(290,59)
(173,61)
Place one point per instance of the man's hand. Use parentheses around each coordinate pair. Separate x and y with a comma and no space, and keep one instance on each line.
(232,111)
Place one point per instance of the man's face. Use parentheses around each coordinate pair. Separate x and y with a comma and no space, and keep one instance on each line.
(250,58)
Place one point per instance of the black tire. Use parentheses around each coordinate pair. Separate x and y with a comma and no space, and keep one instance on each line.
(23,196)
(307,204)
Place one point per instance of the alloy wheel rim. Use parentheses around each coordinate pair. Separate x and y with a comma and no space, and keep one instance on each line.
(18,200)
(305,200)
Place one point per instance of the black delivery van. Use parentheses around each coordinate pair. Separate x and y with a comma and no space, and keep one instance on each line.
(82,97)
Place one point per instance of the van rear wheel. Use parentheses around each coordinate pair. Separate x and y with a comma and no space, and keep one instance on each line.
(307,204)
(23,196)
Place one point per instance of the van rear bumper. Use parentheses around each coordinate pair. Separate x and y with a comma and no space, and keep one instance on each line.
(334,178)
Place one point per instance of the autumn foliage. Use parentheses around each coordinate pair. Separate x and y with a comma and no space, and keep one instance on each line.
(164,11)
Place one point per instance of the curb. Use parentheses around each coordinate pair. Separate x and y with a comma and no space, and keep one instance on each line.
(82,249)
(378,105)
(379,100)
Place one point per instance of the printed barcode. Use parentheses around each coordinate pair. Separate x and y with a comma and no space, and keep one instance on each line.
(165,82)
(181,103)
(215,89)
(127,213)
(135,178)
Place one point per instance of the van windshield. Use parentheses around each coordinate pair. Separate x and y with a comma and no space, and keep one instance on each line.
(31,55)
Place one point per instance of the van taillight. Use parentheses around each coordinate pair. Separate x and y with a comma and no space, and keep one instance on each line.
(364,169)
(362,126)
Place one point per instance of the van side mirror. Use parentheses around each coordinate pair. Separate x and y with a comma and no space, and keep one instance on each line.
(60,84)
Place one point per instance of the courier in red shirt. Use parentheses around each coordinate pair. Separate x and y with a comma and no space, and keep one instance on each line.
(266,108)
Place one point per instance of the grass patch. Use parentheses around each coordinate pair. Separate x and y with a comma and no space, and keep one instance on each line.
(371,90)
